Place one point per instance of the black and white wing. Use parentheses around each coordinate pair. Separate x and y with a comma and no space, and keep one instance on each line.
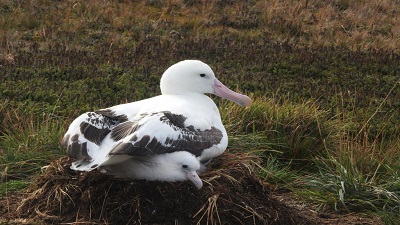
(159,133)
(87,132)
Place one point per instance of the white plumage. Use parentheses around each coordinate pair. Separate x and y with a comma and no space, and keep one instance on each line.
(161,138)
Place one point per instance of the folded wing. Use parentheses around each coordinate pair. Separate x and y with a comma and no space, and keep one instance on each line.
(162,132)
(104,138)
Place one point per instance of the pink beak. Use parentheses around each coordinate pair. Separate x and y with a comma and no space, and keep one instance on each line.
(222,91)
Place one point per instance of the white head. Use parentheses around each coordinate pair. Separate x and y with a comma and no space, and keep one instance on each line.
(183,166)
(194,76)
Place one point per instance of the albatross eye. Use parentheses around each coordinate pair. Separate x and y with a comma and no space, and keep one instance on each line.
(184,166)
(202,75)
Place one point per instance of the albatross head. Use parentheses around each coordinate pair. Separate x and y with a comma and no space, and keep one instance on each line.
(194,76)
(184,166)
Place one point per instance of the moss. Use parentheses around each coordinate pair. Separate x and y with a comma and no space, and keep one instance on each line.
(13,185)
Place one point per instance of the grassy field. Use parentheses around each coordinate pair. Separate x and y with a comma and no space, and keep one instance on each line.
(324,76)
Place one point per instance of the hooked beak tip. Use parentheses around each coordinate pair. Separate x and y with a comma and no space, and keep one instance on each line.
(247,102)
(222,91)
(195,179)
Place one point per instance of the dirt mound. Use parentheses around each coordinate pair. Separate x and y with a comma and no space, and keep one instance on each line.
(232,194)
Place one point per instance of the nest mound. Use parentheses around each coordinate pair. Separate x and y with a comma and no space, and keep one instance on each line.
(231,194)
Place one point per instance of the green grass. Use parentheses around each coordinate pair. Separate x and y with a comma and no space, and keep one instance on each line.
(344,187)
(13,185)
(299,132)
(276,172)
(30,138)
(324,80)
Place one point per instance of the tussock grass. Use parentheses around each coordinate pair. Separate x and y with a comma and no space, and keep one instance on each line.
(358,175)
(297,131)
(29,138)
(342,186)
(276,172)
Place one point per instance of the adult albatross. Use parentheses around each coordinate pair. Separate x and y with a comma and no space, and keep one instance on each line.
(161,138)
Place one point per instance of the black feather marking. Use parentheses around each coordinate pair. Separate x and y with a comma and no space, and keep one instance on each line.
(168,141)
(191,128)
(75,138)
(112,115)
(99,124)
(143,142)
(84,151)
(117,148)
(92,133)
(129,149)
(74,150)
(78,151)
(173,119)
(152,144)
(134,138)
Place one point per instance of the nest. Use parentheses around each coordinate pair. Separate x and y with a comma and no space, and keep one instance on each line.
(231,194)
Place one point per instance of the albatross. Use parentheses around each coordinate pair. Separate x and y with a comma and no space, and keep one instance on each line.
(163,138)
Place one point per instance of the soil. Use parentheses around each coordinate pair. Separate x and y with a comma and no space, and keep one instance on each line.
(231,194)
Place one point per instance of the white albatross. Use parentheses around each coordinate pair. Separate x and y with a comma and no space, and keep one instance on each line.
(161,138)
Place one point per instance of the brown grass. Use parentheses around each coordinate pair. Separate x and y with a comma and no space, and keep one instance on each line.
(353,24)
(357,25)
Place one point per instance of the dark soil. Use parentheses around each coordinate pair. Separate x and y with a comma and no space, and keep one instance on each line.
(232,194)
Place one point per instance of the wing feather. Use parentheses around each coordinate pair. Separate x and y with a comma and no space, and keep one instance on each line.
(164,132)
(89,128)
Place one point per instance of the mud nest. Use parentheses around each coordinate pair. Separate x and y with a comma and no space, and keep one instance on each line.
(231,194)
